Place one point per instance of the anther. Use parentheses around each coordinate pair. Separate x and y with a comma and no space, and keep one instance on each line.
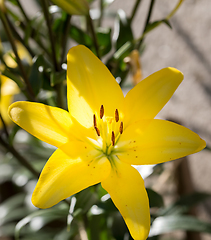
(97,131)
(121,128)
(116,115)
(101,111)
(94,120)
(113,138)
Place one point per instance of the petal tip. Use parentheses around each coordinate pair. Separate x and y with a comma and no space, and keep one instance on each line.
(175,71)
(76,49)
(202,145)
(14,110)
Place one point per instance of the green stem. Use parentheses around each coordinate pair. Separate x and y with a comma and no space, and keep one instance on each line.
(94,37)
(146,22)
(135,8)
(4,126)
(60,95)
(37,41)
(33,37)
(19,38)
(48,22)
(174,10)
(19,157)
(12,42)
(65,37)
(22,10)
(101,13)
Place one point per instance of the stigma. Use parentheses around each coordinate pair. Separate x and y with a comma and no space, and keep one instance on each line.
(108,129)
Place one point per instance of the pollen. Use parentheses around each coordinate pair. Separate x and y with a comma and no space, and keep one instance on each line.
(116,115)
(113,138)
(101,111)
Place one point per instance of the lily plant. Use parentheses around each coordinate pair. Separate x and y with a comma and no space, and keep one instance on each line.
(103,133)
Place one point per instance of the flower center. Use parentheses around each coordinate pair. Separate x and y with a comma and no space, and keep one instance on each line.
(108,130)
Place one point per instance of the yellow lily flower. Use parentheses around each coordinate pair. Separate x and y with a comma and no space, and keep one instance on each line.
(103,134)
(8,89)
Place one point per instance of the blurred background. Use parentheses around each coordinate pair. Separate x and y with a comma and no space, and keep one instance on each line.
(187,47)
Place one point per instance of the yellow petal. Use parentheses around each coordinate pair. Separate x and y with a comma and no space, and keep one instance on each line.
(126,188)
(65,175)
(157,141)
(148,97)
(50,124)
(8,89)
(8,86)
(90,85)
(4,104)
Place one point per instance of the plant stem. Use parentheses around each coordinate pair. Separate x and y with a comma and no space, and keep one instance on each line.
(65,37)
(19,38)
(94,37)
(22,10)
(60,95)
(146,22)
(101,13)
(174,10)
(4,126)
(12,42)
(37,41)
(48,22)
(19,157)
(135,8)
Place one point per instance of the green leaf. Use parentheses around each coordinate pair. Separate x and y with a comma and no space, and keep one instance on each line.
(80,37)
(35,77)
(44,217)
(57,77)
(85,200)
(184,204)
(104,40)
(14,2)
(155,199)
(168,224)
(155,24)
(73,7)
(16,78)
(122,32)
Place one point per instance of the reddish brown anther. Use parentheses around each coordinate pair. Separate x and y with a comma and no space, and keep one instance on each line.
(121,128)
(116,115)
(101,111)
(97,131)
(94,120)
(113,138)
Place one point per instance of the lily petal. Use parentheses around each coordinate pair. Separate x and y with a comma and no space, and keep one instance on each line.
(65,175)
(126,188)
(157,141)
(148,97)
(50,124)
(90,85)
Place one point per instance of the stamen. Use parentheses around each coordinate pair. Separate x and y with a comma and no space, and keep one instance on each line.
(97,131)
(121,128)
(113,138)
(116,115)
(101,111)
(94,120)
